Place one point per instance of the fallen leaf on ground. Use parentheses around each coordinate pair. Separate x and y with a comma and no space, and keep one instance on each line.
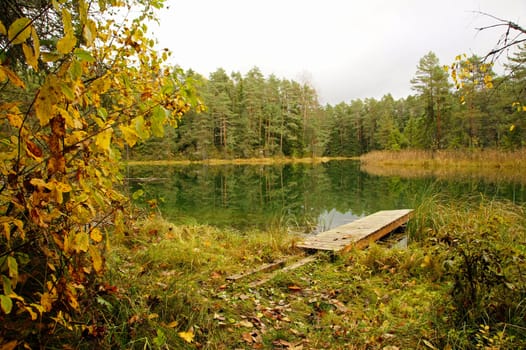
(187,336)
(246,324)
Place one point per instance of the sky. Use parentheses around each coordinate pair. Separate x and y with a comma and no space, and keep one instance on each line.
(346,49)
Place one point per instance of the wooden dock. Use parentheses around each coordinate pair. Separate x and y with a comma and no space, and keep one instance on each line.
(359,233)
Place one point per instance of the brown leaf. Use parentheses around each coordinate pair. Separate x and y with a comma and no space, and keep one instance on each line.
(33,150)
(294,288)
(9,346)
(247,337)
(134,319)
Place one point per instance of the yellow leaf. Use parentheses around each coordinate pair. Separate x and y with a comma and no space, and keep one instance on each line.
(90,32)
(7,231)
(36,43)
(74,138)
(66,21)
(81,242)
(96,258)
(427,261)
(96,235)
(19,31)
(67,43)
(187,336)
(15,80)
(172,324)
(46,100)
(57,189)
(30,56)
(83,11)
(15,120)
(102,140)
(130,135)
(71,296)
(38,182)
(3,31)
(512,127)
(46,301)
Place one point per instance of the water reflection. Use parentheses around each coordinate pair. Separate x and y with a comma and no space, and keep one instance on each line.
(333,218)
(303,197)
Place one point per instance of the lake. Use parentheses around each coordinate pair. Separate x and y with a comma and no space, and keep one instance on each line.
(303,197)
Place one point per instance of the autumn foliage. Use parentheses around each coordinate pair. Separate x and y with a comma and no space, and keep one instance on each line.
(67,109)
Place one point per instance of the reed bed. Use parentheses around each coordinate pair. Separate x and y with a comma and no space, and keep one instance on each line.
(449,158)
(487,165)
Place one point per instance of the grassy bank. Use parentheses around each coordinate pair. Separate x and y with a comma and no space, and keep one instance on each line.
(488,165)
(460,284)
(449,158)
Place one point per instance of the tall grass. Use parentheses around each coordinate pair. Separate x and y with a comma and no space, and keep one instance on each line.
(489,165)
(449,158)
(481,247)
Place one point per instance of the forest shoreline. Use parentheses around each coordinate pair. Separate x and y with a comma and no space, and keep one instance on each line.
(240,161)
(461,158)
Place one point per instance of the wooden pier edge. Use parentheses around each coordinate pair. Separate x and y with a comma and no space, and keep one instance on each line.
(364,242)
(359,233)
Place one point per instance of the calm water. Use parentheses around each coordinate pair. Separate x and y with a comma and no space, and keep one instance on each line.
(304,197)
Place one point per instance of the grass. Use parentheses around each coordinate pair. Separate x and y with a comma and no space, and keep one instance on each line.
(490,165)
(168,290)
(450,158)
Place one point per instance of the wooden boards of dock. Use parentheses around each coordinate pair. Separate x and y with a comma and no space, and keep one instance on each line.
(359,233)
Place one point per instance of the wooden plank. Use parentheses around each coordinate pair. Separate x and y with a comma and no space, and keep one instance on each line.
(359,233)
(263,268)
(294,266)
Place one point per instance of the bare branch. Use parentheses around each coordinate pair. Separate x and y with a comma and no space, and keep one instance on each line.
(511,37)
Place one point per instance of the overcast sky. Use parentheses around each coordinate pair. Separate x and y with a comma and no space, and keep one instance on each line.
(347,49)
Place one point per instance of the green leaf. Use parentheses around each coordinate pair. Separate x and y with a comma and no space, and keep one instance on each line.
(19,31)
(158,118)
(6,303)
(140,127)
(12,266)
(137,194)
(3,31)
(67,91)
(75,71)
(83,55)
(6,283)
(104,302)
(81,242)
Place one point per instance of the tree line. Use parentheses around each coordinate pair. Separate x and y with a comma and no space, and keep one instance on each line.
(462,105)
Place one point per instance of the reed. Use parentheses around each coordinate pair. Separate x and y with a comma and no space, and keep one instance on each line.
(475,158)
